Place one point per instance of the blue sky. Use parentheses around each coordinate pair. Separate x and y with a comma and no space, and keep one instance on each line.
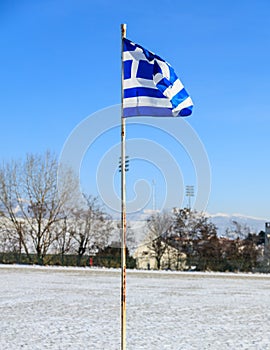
(60,62)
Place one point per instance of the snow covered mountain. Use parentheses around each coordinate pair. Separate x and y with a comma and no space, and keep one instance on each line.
(224,221)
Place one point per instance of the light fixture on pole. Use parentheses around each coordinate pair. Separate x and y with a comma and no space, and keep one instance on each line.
(189,194)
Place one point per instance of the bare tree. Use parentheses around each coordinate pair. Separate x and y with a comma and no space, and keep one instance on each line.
(31,202)
(190,224)
(237,230)
(158,228)
(195,236)
(64,240)
(90,228)
(10,239)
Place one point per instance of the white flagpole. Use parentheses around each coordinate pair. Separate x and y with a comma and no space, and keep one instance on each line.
(123,206)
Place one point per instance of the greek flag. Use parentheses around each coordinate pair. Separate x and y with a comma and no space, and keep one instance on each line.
(150,85)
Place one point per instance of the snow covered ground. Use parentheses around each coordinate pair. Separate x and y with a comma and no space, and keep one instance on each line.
(69,308)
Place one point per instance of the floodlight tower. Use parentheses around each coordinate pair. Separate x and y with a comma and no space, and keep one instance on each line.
(189,194)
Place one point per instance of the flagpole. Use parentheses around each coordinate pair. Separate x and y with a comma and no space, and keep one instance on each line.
(123,205)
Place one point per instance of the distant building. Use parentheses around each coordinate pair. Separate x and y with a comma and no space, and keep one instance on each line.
(172,258)
(267,239)
(267,233)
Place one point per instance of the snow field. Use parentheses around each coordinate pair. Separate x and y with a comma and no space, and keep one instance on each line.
(69,308)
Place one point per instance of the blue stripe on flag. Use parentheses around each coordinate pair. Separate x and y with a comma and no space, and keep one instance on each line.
(155,112)
(163,84)
(147,111)
(180,97)
(185,112)
(142,91)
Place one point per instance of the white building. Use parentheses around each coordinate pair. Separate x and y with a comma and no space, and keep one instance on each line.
(171,259)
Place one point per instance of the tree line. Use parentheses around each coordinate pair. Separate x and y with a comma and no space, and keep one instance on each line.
(43,220)
(193,236)
(41,214)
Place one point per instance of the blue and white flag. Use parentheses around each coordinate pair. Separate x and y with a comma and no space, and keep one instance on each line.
(150,85)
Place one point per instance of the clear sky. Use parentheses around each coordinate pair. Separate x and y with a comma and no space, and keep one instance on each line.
(60,62)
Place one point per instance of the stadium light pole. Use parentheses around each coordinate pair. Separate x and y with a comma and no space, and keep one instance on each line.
(126,164)
(189,193)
